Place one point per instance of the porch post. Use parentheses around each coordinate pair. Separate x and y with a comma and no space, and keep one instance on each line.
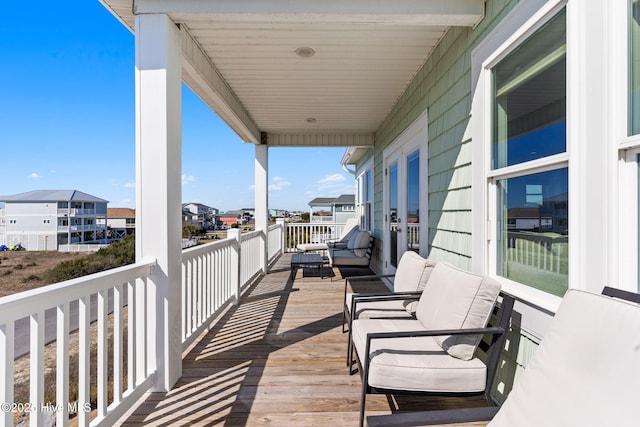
(158,188)
(261,199)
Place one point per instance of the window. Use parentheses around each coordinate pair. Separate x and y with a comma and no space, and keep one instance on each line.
(364,204)
(634,67)
(529,164)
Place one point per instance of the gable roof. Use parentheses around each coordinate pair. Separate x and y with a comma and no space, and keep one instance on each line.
(121,213)
(343,199)
(52,196)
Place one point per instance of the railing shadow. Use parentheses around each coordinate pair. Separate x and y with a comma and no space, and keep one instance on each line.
(221,373)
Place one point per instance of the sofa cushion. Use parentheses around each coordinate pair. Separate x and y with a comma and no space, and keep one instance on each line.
(378,309)
(586,370)
(456,299)
(351,243)
(362,243)
(414,364)
(345,257)
(409,272)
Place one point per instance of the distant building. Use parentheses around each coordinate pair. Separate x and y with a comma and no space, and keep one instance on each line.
(199,214)
(341,208)
(120,222)
(51,219)
(278,213)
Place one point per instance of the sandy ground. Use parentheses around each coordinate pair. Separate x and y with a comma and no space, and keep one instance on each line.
(21,271)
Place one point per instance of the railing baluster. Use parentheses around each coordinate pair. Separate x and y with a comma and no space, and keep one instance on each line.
(117,343)
(132,315)
(36,366)
(141,331)
(62,365)
(83,360)
(6,374)
(102,354)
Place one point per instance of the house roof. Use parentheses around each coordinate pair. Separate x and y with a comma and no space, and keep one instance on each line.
(198,205)
(343,199)
(304,73)
(322,201)
(52,196)
(121,213)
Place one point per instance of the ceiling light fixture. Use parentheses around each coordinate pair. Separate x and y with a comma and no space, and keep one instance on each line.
(305,52)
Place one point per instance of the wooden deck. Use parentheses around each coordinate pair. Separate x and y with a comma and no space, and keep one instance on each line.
(276,359)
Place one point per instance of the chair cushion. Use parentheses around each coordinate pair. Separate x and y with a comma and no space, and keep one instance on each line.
(456,299)
(409,273)
(414,364)
(362,243)
(345,257)
(351,243)
(585,372)
(414,275)
(306,247)
(378,309)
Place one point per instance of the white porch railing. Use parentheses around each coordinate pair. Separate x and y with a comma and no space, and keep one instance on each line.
(297,233)
(70,303)
(212,277)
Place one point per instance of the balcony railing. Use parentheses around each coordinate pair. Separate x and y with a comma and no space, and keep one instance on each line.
(213,276)
(298,233)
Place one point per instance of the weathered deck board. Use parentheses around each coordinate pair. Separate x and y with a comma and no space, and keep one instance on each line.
(276,359)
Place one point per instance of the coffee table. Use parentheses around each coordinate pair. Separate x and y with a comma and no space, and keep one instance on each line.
(301,260)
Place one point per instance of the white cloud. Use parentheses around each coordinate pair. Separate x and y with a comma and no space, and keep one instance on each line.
(129,185)
(34,176)
(279,183)
(187,179)
(335,184)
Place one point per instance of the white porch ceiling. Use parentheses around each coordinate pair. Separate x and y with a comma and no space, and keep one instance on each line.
(240,58)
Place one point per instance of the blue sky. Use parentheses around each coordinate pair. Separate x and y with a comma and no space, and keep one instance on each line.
(67,120)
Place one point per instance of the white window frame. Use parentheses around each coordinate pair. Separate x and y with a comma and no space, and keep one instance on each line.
(362,185)
(628,149)
(524,20)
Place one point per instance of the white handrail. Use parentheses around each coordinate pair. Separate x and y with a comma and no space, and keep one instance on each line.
(212,278)
(56,299)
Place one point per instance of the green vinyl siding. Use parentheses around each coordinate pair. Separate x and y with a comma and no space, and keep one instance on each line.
(443,88)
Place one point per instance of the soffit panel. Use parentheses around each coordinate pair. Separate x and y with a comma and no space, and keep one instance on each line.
(366,54)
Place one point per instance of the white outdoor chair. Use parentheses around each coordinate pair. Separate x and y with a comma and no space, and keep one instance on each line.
(409,280)
(585,373)
(436,352)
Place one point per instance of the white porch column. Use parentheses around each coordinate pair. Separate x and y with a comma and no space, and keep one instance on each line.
(158,187)
(262,198)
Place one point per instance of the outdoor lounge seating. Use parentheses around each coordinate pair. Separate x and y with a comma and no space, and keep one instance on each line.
(410,279)
(585,372)
(357,253)
(349,229)
(436,352)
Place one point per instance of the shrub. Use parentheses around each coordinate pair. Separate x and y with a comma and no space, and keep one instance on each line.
(30,278)
(115,255)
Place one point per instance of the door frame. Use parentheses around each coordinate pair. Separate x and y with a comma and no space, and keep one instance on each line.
(414,137)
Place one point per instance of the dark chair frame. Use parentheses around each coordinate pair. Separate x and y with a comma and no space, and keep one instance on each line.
(463,415)
(368,255)
(497,329)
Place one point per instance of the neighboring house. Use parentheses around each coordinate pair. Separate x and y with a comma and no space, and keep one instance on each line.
(341,208)
(120,222)
(52,219)
(229,219)
(278,213)
(199,214)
